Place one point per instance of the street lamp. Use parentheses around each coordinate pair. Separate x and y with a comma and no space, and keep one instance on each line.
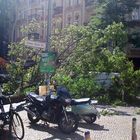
(48,38)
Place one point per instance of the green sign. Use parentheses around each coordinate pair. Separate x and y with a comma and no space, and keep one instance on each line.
(47,63)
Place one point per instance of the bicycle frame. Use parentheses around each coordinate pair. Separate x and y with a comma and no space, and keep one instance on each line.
(5,116)
(10,117)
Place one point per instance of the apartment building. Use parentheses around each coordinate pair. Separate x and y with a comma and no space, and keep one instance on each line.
(64,13)
(133,48)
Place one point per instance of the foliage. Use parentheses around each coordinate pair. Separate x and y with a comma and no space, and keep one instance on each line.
(119,103)
(82,53)
(31,27)
(107,112)
(138,111)
(101,50)
(109,11)
(21,77)
(77,67)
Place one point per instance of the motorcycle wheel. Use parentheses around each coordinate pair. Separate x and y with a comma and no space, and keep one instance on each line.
(69,126)
(31,118)
(90,119)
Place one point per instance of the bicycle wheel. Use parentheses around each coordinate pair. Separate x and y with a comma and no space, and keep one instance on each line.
(16,127)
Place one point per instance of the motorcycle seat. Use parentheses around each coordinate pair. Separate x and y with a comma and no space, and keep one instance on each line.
(37,97)
(32,94)
(80,101)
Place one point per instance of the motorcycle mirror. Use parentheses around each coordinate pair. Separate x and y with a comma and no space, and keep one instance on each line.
(29,63)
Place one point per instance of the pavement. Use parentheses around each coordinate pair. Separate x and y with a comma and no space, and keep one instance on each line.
(114,127)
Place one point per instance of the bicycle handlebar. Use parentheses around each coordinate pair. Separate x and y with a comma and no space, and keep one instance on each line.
(4,78)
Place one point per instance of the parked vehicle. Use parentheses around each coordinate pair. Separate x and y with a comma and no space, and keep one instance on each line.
(51,109)
(11,117)
(85,109)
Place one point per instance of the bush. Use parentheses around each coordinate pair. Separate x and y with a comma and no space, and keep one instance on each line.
(101,50)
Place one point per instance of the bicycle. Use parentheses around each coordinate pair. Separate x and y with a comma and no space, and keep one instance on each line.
(11,118)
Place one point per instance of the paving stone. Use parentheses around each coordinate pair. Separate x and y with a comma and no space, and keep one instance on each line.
(115,127)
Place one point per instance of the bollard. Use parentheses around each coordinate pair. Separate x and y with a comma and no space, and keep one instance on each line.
(87,135)
(134,135)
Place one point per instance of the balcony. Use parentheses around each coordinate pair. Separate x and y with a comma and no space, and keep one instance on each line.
(58,10)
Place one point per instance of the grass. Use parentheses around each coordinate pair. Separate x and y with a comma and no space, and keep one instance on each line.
(106,112)
(138,111)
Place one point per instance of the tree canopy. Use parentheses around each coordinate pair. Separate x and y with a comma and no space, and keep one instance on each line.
(85,51)
(95,51)
(109,11)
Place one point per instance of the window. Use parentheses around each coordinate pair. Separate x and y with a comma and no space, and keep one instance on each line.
(89,2)
(77,18)
(76,2)
(18,32)
(136,14)
(69,20)
(59,3)
(54,4)
(61,25)
(31,1)
(21,14)
(69,3)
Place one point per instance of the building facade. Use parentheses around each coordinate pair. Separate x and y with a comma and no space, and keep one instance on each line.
(64,13)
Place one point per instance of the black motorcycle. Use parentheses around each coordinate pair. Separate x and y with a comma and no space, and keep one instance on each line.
(51,109)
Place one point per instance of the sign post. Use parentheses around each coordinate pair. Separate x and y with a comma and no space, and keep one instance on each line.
(47,63)
(47,66)
(35,44)
(48,41)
